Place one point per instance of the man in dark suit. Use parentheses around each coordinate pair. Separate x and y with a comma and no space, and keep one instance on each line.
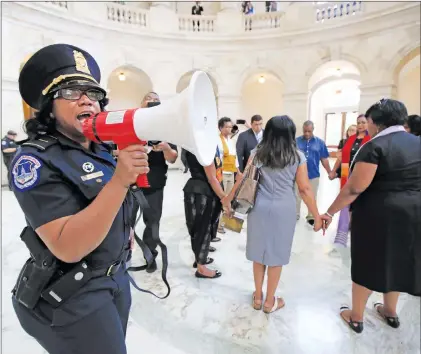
(248,140)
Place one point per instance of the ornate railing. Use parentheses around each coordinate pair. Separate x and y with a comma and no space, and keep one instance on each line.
(337,10)
(267,20)
(191,23)
(127,15)
(61,4)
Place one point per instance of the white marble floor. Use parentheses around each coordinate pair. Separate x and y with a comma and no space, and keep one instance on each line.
(215,316)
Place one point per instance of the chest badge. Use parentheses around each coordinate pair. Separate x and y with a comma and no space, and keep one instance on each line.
(88,167)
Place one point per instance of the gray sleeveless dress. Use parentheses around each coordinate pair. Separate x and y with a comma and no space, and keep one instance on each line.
(271,223)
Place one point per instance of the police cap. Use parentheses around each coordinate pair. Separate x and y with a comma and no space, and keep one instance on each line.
(53,67)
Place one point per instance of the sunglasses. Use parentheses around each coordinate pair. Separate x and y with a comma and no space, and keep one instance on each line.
(76,93)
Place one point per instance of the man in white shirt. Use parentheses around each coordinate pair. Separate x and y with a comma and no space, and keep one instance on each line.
(229,159)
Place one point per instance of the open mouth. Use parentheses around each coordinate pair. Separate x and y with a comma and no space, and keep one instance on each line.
(83,115)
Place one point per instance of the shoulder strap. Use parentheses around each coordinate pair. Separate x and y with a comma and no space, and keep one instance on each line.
(41,142)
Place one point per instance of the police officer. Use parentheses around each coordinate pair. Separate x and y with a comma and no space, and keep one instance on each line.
(77,206)
(160,154)
(8,149)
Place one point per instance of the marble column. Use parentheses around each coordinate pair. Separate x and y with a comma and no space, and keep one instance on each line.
(296,107)
(371,93)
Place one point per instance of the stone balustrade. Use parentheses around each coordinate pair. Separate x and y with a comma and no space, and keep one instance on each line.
(128,15)
(262,21)
(332,10)
(191,23)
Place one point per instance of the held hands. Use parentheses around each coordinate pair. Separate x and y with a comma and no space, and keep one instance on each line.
(132,162)
(162,146)
(327,220)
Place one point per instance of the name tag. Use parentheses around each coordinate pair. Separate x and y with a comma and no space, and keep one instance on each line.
(92,176)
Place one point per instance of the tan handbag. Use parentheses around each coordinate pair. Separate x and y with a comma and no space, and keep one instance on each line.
(245,196)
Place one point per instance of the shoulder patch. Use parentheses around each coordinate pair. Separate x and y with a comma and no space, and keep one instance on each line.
(25,172)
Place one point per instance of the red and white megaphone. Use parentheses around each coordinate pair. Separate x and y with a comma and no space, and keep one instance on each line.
(188,120)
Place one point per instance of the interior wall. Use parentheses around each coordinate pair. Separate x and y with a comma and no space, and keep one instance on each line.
(409,88)
(265,99)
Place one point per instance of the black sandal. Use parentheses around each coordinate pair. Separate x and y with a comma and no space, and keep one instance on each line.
(199,275)
(208,261)
(357,327)
(391,321)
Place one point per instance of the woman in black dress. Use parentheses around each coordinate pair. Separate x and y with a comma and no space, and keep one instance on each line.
(385,191)
(204,198)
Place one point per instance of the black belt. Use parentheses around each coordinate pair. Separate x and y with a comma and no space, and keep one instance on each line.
(112,269)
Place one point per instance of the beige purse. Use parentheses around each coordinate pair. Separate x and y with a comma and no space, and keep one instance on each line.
(245,196)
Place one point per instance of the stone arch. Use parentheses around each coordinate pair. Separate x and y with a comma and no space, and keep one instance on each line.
(128,92)
(277,72)
(406,77)
(262,92)
(185,78)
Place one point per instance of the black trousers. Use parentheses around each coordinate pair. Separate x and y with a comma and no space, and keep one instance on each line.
(7,161)
(184,160)
(202,218)
(151,217)
(101,332)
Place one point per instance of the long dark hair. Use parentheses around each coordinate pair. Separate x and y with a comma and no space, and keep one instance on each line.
(278,148)
(43,123)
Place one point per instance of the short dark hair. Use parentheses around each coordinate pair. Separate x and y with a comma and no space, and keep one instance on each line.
(222,121)
(278,148)
(307,123)
(414,124)
(256,118)
(387,112)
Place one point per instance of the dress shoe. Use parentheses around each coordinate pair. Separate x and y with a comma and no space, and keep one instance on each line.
(212,249)
(208,261)
(217,275)
(216,239)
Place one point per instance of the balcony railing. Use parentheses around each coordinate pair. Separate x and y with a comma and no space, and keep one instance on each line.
(127,15)
(331,10)
(191,23)
(262,21)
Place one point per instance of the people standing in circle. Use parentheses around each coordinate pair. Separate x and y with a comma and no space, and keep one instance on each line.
(352,129)
(229,160)
(384,192)
(204,198)
(160,154)
(315,151)
(271,222)
(8,149)
(352,145)
(77,206)
(248,140)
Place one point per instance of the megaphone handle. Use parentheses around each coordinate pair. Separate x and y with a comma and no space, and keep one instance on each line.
(142,180)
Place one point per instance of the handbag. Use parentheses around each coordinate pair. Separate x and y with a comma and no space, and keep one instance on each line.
(245,196)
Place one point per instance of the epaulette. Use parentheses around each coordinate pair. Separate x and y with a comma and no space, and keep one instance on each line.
(41,142)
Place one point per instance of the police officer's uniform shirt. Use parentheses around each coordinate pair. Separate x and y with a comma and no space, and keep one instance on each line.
(158,168)
(61,181)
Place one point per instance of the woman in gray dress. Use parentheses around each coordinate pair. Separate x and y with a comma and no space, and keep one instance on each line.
(271,222)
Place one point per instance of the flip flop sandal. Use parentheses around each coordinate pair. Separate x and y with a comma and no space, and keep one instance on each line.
(391,321)
(276,305)
(256,306)
(357,327)
(208,261)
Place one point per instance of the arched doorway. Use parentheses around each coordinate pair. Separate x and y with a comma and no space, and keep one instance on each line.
(407,81)
(185,81)
(127,85)
(261,93)
(334,100)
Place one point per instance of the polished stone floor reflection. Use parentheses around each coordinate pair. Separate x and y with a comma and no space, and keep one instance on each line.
(215,316)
